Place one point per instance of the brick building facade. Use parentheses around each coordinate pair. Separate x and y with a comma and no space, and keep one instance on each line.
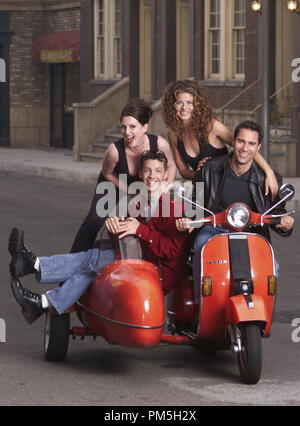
(142,44)
(163,39)
(32,105)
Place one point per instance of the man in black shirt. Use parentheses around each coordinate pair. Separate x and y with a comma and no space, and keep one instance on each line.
(235,178)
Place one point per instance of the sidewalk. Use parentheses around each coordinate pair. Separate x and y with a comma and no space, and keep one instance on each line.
(50,163)
(59,164)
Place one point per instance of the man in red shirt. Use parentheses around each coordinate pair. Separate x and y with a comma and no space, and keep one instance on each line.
(162,244)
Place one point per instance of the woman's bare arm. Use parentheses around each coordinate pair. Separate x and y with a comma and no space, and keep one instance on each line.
(184,170)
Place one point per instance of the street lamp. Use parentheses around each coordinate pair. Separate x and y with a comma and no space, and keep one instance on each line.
(264,60)
(256,6)
(293,6)
(264,8)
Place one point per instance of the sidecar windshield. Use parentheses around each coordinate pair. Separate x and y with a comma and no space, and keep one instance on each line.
(130,248)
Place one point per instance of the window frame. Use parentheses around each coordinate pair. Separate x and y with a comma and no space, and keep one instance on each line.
(108,57)
(227,43)
(235,30)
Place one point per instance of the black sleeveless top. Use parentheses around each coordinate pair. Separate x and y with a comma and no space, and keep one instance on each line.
(206,150)
(122,164)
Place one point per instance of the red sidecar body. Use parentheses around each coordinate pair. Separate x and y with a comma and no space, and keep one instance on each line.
(125,304)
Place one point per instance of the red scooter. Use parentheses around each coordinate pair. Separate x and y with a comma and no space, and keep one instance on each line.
(125,303)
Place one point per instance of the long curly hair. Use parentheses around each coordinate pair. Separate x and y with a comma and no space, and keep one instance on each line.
(202,113)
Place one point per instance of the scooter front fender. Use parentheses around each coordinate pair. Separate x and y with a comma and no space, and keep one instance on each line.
(237,310)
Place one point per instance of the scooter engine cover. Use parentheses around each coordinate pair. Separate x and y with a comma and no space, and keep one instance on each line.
(125,304)
(216,263)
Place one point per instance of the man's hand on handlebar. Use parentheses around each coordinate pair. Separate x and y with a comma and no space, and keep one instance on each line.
(181,227)
(286,223)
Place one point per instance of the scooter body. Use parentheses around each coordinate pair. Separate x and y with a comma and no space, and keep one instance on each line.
(225,302)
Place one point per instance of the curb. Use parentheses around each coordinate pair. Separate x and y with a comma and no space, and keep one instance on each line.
(81,176)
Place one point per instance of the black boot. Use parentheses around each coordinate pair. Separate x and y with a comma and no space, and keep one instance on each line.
(30,302)
(22,259)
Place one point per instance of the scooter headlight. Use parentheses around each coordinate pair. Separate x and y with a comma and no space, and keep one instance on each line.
(238,215)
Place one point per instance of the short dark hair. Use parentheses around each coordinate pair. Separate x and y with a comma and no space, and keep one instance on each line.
(154,155)
(138,109)
(250,125)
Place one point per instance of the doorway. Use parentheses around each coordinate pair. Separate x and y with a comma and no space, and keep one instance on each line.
(61,114)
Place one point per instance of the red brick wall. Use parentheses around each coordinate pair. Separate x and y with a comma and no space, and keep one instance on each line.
(30,81)
(221,94)
(90,88)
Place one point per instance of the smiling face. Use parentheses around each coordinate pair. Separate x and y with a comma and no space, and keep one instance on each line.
(132,131)
(184,105)
(245,146)
(153,173)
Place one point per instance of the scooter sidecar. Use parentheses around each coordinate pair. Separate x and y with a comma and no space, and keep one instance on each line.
(124,304)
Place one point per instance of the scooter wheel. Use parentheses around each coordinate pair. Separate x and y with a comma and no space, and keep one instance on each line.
(250,358)
(56,336)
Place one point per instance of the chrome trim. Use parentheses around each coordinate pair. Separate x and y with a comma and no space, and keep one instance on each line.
(273,207)
(197,205)
(143,327)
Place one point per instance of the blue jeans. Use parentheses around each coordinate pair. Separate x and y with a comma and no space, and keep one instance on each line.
(76,269)
(204,235)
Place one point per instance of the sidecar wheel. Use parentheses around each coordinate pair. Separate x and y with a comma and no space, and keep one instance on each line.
(56,336)
(250,359)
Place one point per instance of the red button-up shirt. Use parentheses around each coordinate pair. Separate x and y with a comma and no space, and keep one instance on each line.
(163,244)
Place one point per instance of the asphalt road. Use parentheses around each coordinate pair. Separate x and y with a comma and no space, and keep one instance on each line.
(96,373)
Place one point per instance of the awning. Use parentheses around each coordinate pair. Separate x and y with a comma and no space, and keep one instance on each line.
(57,47)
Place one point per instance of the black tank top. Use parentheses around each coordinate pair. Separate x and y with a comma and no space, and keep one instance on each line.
(122,164)
(206,150)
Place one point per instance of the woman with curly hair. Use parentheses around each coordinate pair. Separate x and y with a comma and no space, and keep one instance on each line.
(195,135)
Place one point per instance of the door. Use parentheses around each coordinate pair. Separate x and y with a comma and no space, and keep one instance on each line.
(145,49)
(56,104)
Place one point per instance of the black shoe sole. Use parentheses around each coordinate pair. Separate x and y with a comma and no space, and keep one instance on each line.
(26,311)
(15,244)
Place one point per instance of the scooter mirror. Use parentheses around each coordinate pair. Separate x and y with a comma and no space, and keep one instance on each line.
(179,189)
(183,191)
(286,190)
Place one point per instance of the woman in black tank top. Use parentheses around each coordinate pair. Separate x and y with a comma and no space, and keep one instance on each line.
(195,135)
(123,157)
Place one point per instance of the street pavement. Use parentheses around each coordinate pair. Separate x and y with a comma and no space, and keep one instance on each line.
(50,209)
(59,164)
(99,374)
(49,163)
